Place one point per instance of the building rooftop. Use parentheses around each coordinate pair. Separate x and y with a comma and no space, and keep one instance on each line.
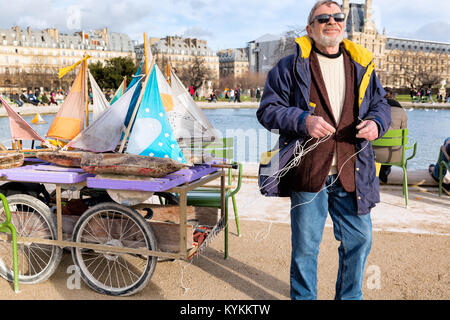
(52,38)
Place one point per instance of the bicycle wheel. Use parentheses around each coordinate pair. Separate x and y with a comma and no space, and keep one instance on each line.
(31,218)
(118,274)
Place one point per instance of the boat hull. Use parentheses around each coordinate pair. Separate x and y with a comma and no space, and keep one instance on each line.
(127,164)
(11,160)
(62,158)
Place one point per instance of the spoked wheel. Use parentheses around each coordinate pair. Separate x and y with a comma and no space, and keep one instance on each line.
(118,274)
(31,218)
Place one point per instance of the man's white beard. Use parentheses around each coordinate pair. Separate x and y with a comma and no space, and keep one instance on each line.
(329,42)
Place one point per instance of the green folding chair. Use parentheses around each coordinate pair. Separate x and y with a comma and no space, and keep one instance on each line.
(442,164)
(7,227)
(398,138)
(211,197)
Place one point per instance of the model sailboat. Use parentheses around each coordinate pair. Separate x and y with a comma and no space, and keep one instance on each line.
(20,130)
(187,115)
(70,119)
(99,102)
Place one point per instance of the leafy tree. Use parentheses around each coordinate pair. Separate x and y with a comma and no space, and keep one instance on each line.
(110,74)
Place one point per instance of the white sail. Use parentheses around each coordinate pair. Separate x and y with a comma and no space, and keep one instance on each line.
(99,104)
(104,133)
(187,114)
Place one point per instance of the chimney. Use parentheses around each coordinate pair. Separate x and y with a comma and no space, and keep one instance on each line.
(346,7)
(17,30)
(368,10)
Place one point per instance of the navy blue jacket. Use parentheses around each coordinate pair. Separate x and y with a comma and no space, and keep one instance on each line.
(285,105)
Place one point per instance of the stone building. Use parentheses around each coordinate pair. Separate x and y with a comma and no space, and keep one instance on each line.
(32,58)
(233,62)
(180,53)
(400,63)
(264,52)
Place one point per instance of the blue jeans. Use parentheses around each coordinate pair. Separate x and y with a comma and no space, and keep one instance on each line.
(353,231)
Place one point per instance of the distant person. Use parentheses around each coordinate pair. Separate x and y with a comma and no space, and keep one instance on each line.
(252,94)
(24,96)
(15,98)
(59,97)
(52,99)
(45,100)
(191,91)
(32,98)
(258,94)
(399,121)
(108,96)
(237,94)
(37,92)
(430,95)
(231,95)
(433,169)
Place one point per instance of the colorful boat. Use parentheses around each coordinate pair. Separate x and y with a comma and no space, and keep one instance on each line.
(128,164)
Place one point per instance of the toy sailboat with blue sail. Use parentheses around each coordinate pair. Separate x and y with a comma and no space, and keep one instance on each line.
(152,134)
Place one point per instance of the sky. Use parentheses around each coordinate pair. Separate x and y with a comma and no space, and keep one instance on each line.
(224,24)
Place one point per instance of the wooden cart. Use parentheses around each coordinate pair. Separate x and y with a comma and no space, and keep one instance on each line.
(113,245)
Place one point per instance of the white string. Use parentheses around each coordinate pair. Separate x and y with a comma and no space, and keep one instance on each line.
(299,152)
(337,177)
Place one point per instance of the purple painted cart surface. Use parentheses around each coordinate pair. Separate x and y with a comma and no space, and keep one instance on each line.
(45,173)
(48,173)
(153,184)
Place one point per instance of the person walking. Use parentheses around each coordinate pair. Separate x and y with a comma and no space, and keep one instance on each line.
(231,95)
(258,94)
(399,120)
(252,94)
(237,93)
(315,96)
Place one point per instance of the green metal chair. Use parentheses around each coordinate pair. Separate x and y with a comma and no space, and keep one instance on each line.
(211,196)
(398,138)
(442,164)
(7,227)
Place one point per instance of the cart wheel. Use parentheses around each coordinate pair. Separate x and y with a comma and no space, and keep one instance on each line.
(32,218)
(112,273)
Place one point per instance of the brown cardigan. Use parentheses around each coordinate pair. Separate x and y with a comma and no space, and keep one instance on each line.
(312,172)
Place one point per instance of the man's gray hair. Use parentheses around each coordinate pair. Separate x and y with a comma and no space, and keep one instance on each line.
(317,5)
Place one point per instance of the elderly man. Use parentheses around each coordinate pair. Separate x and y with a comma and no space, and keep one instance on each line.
(328,90)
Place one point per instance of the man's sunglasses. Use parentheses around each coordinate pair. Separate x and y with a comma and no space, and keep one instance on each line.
(324,18)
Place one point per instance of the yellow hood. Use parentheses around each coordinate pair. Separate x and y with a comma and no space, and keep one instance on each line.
(357,52)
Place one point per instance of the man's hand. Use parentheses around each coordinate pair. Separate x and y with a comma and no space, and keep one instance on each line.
(368,130)
(317,127)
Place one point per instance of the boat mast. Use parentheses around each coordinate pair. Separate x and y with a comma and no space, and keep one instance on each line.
(136,107)
(146,53)
(168,73)
(86,91)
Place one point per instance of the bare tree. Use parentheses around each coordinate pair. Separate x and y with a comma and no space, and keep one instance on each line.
(417,70)
(251,80)
(195,73)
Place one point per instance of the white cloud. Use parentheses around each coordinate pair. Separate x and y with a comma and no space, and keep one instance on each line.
(225,24)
